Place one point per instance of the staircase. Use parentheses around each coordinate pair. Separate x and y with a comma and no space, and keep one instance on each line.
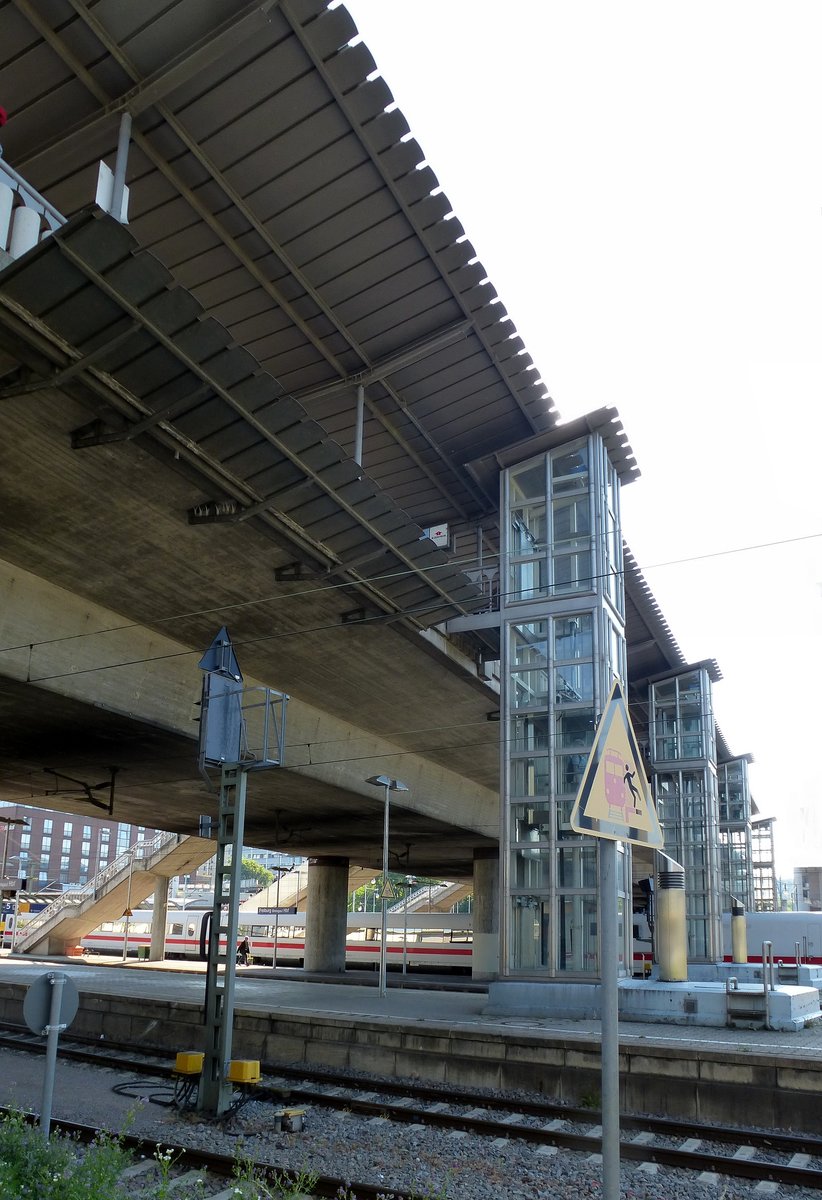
(440,898)
(293,889)
(125,882)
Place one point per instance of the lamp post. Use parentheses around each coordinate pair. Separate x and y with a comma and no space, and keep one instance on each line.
(131,850)
(388,785)
(8,822)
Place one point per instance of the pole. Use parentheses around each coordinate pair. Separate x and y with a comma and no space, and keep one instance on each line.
(405,931)
(277,920)
(6,846)
(56,979)
(609,951)
(128,901)
(118,185)
(384,926)
(16,919)
(358,425)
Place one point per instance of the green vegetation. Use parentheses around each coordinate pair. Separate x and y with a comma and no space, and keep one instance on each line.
(257,872)
(64,1169)
(33,1169)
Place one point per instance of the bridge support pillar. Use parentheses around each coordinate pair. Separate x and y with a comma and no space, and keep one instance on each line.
(485,956)
(158,925)
(326,918)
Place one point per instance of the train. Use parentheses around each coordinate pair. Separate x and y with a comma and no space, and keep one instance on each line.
(783,930)
(433,941)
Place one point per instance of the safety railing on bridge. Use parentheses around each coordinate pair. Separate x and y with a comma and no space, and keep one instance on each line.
(25,215)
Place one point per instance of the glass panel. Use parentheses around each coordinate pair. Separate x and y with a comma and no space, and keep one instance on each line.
(574,684)
(564,830)
(531,777)
(531,733)
(577,866)
(578,945)
(528,579)
(574,637)
(529,644)
(529,689)
(530,928)
(572,571)
(574,728)
(531,868)
(572,519)
(528,481)
(569,771)
(529,532)
(569,468)
(531,822)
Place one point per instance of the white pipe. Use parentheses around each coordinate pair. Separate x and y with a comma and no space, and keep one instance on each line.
(6,201)
(25,231)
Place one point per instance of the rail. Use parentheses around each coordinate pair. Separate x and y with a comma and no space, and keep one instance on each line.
(141,851)
(29,196)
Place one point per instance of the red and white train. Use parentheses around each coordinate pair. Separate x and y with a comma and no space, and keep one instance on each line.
(435,941)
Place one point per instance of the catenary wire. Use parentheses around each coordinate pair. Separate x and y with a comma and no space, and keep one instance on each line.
(388,576)
(382,618)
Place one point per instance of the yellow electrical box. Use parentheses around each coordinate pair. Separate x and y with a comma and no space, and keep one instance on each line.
(189,1062)
(243,1070)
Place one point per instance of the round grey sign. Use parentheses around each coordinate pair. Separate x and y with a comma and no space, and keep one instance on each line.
(37,1004)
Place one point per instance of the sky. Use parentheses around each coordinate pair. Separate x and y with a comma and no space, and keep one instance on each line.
(643,184)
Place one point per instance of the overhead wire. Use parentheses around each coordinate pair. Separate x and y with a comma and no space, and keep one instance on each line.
(380,618)
(280,598)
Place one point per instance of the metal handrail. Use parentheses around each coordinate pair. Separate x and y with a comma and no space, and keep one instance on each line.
(78,896)
(30,196)
(425,890)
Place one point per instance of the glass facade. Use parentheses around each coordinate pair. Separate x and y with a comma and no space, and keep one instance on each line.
(683,760)
(563,645)
(735,848)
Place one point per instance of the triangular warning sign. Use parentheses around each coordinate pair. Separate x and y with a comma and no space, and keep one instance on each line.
(388,892)
(614,799)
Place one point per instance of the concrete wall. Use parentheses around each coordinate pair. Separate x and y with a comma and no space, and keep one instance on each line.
(708,1084)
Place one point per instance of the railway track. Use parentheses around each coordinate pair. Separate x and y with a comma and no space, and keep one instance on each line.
(779,1158)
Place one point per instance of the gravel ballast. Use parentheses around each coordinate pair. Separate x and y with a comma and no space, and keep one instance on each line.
(435,1163)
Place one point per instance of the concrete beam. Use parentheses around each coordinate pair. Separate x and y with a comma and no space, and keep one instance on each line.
(58,644)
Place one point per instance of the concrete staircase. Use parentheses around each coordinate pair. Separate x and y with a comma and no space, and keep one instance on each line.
(440,898)
(293,889)
(125,882)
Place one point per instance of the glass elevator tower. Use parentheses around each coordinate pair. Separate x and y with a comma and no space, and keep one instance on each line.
(562,609)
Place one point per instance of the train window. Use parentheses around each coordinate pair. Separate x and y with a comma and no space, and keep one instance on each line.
(175,929)
(191,929)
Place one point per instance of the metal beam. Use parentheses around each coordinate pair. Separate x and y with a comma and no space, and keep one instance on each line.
(260,228)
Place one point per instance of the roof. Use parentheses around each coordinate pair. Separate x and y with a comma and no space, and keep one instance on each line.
(271,173)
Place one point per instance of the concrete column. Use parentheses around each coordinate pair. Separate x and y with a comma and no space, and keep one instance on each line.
(326,915)
(158,925)
(485,957)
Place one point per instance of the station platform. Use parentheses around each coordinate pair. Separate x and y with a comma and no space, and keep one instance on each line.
(443,1034)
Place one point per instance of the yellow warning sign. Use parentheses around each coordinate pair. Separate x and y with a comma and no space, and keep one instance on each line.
(388,892)
(128,913)
(614,799)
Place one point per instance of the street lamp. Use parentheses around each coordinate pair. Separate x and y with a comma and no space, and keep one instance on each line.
(127,913)
(388,785)
(8,822)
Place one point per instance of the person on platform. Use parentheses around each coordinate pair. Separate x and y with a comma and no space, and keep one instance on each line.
(243,951)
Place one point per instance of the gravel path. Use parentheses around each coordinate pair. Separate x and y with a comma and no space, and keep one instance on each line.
(436,1163)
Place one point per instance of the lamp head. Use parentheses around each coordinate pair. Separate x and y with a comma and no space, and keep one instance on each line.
(385,781)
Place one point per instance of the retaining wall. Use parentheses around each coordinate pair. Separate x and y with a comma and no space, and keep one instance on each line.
(710,1084)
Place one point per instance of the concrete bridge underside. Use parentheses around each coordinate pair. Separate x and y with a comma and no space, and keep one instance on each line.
(65,704)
